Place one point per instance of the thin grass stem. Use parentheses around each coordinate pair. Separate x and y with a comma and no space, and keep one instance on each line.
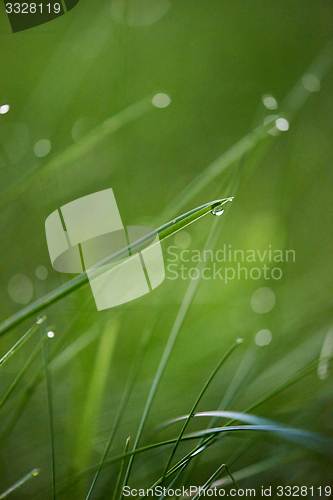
(198,495)
(202,392)
(23,370)
(48,381)
(22,340)
(124,400)
(303,373)
(182,313)
(115,495)
(20,483)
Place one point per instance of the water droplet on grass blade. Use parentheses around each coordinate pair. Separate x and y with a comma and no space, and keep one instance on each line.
(217,210)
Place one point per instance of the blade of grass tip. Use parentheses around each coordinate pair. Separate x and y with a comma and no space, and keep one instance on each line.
(212,477)
(187,301)
(303,373)
(115,494)
(48,380)
(202,392)
(163,232)
(23,370)
(292,104)
(22,340)
(79,148)
(126,395)
(20,483)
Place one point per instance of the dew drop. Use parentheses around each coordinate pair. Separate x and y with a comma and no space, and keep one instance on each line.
(4,109)
(217,210)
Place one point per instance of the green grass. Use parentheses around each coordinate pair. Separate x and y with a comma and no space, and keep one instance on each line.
(89,411)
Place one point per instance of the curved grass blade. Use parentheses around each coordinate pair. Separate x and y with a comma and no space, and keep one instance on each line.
(310,368)
(304,438)
(291,434)
(259,421)
(234,415)
(20,483)
(163,232)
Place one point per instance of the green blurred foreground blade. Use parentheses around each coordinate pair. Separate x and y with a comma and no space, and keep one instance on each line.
(175,225)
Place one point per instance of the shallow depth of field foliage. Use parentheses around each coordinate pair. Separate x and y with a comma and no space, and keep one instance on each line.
(85,82)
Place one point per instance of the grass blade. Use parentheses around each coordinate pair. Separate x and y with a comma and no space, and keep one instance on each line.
(120,472)
(48,381)
(124,400)
(164,231)
(299,436)
(95,393)
(298,376)
(22,340)
(184,308)
(20,483)
(292,104)
(312,441)
(23,370)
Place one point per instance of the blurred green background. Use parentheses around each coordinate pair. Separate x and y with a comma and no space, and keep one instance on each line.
(217,61)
